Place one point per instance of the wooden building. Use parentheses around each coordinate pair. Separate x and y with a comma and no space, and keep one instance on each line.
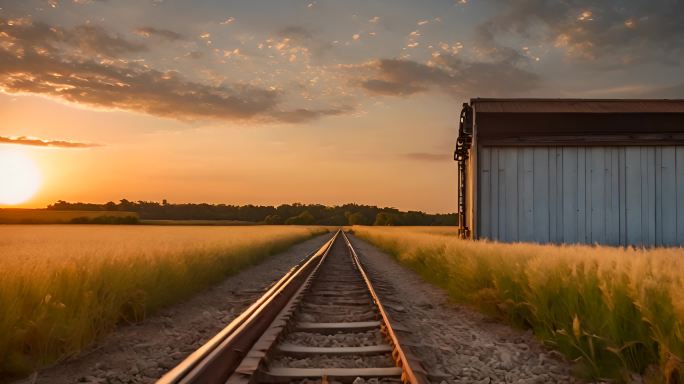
(572,171)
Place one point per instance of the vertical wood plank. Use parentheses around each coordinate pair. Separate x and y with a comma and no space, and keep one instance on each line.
(633,193)
(650,217)
(540,194)
(495,198)
(582,194)
(622,175)
(679,170)
(597,195)
(658,195)
(607,182)
(526,198)
(503,191)
(485,193)
(518,188)
(570,195)
(644,196)
(560,196)
(511,179)
(520,224)
(668,196)
(587,193)
(613,194)
(553,193)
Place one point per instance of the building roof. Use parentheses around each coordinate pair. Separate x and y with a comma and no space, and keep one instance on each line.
(484,105)
(578,122)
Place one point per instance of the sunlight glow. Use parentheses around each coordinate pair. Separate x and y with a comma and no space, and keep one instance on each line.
(20,178)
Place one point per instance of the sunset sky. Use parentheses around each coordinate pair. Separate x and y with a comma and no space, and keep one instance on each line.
(270,102)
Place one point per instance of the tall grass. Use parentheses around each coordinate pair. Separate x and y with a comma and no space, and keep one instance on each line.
(61,287)
(615,311)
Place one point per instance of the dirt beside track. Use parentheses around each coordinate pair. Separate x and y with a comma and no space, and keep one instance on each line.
(455,343)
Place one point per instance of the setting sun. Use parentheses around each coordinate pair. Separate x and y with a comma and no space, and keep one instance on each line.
(19,177)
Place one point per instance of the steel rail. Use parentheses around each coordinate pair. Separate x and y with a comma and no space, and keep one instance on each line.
(236,353)
(409,375)
(216,360)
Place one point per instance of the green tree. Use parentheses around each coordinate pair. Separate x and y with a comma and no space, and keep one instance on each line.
(273,220)
(303,218)
(356,218)
(386,218)
(338,220)
(354,214)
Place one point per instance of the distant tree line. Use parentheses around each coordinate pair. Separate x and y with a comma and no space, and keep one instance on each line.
(348,214)
(105,220)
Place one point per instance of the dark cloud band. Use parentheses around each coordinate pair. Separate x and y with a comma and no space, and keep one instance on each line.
(450,74)
(157,32)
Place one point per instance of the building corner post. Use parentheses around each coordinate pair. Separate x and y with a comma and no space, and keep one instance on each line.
(461,155)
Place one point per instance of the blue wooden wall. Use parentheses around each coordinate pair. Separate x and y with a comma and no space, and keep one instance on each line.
(609,195)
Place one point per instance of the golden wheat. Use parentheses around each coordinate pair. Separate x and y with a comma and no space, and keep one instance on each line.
(614,310)
(45,216)
(62,286)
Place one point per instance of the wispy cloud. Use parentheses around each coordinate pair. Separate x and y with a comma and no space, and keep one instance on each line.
(227,21)
(36,142)
(303,115)
(165,34)
(304,37)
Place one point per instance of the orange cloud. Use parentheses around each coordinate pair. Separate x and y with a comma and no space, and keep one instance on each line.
(32,141)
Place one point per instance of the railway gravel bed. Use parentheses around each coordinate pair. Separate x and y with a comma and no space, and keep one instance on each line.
(360,380)
(323,332)
(457,344)
(353,361)
(353,339)
(141,353)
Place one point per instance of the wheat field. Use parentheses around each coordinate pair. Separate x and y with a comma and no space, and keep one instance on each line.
(45,216)
(63,286)
(613,310)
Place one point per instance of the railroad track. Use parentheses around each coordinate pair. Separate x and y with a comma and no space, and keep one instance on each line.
(322,322)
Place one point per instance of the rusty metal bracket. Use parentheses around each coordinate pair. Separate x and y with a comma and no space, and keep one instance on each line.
(461,155)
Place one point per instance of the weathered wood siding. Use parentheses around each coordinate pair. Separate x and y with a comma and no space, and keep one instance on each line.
(609,195)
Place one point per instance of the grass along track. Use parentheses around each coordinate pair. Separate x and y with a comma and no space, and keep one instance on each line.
(61,287)
(615,311)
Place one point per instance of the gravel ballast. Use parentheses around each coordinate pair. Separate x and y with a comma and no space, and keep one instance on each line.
(143,352)
(346,361)
(454,343)
(342,339)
